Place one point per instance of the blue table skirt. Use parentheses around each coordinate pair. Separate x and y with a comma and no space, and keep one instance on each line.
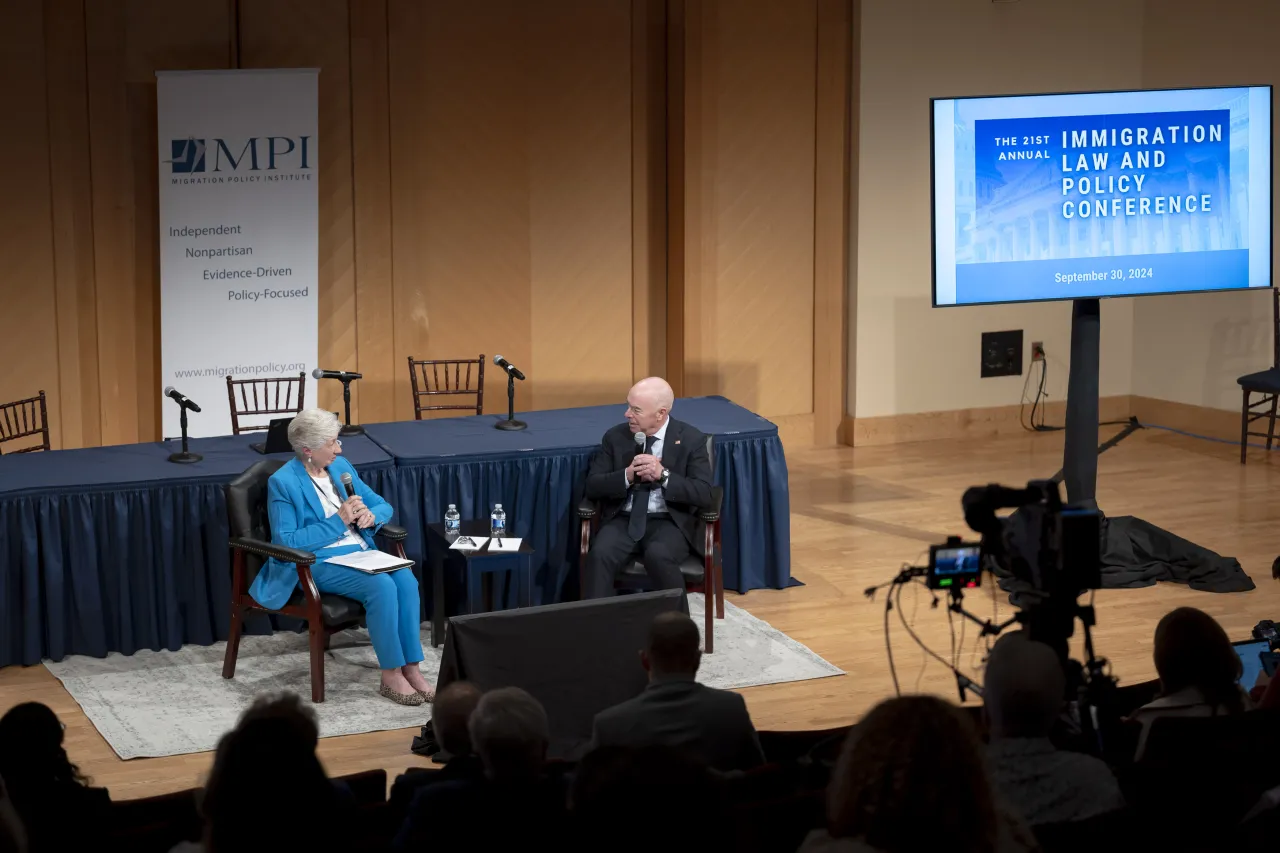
(144,565)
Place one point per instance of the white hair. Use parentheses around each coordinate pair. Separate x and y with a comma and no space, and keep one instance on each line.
(510,733)
(312,429)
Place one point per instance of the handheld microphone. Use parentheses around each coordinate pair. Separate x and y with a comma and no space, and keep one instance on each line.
(334,374)
(172,392)
(348,485)
(508,366)
(639,440)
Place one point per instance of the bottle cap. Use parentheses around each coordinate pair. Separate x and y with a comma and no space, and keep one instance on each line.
(497,506)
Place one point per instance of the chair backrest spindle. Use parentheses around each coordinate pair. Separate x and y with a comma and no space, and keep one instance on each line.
(429,384)
(24,418)
(257,397)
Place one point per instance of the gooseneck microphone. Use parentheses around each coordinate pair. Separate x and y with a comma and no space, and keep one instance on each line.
(175,394)
(509,367)
(340,375)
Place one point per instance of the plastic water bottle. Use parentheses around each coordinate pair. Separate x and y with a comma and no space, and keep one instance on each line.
(498,522)
(452,522)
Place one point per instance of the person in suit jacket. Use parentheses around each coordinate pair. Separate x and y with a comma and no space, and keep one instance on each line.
(649,493)
(710,725)
(308,511)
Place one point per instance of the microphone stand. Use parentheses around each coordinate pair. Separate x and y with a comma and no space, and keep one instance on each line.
(511,423)
(185,456)
(349,428)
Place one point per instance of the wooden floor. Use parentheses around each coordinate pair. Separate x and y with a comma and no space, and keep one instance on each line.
(857,516)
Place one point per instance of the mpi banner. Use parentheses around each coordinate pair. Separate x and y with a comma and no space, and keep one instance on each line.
(238,235)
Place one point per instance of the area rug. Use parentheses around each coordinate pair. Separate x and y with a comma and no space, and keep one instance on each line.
(171,703)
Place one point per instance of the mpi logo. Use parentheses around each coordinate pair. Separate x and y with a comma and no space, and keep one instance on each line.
(255,154)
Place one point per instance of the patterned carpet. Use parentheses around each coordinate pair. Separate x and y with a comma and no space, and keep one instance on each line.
(170,703)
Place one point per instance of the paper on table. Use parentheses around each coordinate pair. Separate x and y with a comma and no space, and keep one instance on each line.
(468,543)
(505,544)
(370,561)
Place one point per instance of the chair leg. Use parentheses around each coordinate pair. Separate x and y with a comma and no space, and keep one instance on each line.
(719,564)
(316,629)
(1244,428)
(233,642)
(708,610)
(1271,427)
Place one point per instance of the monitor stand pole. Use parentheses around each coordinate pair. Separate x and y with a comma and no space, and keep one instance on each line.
(1080,455)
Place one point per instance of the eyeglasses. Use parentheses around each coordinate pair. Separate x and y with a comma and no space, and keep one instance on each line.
(333,442)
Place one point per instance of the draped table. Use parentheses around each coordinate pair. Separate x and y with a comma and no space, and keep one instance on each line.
(537,474)
(117,549)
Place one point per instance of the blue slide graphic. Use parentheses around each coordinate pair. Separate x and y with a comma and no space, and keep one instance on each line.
(1111,194)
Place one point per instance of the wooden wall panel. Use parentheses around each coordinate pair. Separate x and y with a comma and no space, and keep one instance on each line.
(127,42)
(749,292)
(648,187)
(579,138)
(371,211)
(29,345)
(313,34)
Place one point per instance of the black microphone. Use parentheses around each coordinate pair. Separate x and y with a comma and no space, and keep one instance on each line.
(508,366)
(334,374)
(351,493)
(170,391)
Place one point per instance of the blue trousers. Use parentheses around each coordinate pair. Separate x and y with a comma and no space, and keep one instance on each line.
(391,606)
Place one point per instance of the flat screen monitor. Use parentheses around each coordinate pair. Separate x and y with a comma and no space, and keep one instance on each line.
(1040,197)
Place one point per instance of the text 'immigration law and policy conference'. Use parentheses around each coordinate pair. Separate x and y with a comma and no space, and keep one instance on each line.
(1101,194)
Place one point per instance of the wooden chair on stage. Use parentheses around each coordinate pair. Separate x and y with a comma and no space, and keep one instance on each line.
(23,419)
(702,573)
(279,395)
(324,613)
(446,378)
(1265,383)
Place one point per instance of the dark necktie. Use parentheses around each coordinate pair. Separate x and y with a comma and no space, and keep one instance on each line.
(640,499)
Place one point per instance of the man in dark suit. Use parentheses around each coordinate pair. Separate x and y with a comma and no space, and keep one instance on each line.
(649,492)
(710,725)
(450,716)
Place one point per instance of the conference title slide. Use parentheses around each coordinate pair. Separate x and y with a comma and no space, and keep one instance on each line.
(1102,202)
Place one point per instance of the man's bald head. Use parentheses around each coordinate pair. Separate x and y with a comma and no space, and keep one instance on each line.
(649,404)
(1024,687)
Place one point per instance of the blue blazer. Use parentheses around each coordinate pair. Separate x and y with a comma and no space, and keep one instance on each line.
(298,521)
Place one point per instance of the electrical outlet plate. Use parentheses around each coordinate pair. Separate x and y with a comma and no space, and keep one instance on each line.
(1037,350)
(1002,353)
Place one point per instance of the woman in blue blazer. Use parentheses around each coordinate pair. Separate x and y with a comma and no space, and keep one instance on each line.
(309,511)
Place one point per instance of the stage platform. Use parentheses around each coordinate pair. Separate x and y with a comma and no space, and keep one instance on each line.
(856,516)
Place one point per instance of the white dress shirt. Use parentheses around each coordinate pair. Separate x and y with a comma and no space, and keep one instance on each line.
(330,501)
(657,501)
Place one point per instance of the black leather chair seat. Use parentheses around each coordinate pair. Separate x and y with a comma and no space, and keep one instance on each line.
(336,609)
(691,569)
(1267,381)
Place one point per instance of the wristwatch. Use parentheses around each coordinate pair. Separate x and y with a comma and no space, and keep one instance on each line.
(666,475)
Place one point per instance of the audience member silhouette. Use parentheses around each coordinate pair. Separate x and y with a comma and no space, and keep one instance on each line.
(710,725)
(912,777)
(450,721)
(267,790)
(44,786)
(1199,671)
(513,804)
(615,783)
(13,839)
(1023,696)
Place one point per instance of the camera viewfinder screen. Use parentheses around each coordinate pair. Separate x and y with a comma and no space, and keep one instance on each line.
(957,566)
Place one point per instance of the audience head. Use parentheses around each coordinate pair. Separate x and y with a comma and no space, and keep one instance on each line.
(1192,650)
(451,715)
(313,434)
(32,757)
(649,405)
(510,733)
(673,647)
(612,780)
(912,777)
(1024,688)
(269,758)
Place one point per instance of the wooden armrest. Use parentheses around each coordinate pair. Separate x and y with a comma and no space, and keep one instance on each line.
(394,533)
(711,514)
(270,549)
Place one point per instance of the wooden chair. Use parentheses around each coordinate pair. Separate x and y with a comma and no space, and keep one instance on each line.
(1265,383)
(279,395)
(22,419)
(325,613)
(432,378)
(702,573)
